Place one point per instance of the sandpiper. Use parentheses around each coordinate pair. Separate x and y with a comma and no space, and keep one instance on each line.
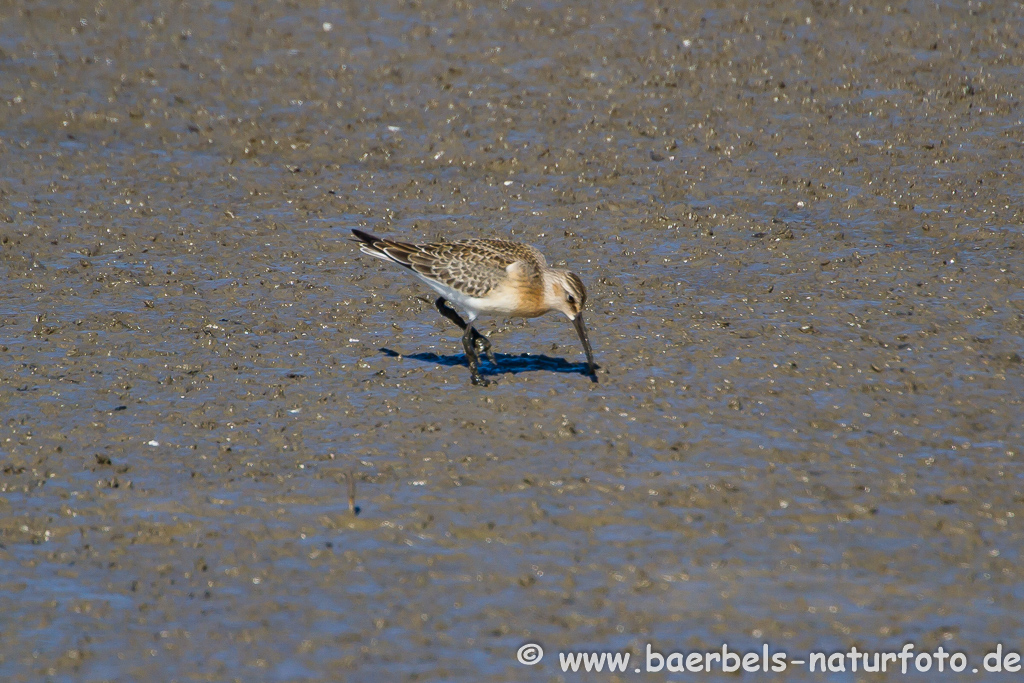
(487,276)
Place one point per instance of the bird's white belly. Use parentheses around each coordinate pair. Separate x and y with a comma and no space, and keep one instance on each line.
(473,305)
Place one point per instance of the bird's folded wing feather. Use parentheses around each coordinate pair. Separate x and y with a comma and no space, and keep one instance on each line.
(474,267)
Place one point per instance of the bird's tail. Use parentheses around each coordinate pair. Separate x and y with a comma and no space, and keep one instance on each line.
(367,243)
(388,250)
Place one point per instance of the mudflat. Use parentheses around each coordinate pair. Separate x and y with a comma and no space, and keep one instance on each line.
(800,227)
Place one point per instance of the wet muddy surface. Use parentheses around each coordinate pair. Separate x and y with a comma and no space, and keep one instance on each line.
(800,228)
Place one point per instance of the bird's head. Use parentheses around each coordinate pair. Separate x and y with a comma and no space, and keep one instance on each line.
(564,291)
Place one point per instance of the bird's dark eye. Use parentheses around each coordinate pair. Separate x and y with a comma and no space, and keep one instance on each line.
(570,298)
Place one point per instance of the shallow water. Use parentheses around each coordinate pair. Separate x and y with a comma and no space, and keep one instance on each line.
(800,228)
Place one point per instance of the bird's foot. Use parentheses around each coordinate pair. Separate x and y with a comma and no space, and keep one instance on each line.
(477,379)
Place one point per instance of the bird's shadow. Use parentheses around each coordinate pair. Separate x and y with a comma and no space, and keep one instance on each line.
(506,363)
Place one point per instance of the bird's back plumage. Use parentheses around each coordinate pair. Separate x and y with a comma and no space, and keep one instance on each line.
(473,267)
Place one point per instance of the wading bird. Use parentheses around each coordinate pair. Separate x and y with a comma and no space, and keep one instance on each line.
(487,276)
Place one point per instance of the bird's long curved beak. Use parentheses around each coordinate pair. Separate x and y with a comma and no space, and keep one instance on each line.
(581,330)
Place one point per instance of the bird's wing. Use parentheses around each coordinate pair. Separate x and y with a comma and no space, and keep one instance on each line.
(476,266)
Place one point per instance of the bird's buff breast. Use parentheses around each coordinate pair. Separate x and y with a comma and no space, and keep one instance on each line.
(517,300)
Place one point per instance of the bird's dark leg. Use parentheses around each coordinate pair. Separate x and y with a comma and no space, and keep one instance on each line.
(472,357)
(481,343)
(473,342)
(447,311)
